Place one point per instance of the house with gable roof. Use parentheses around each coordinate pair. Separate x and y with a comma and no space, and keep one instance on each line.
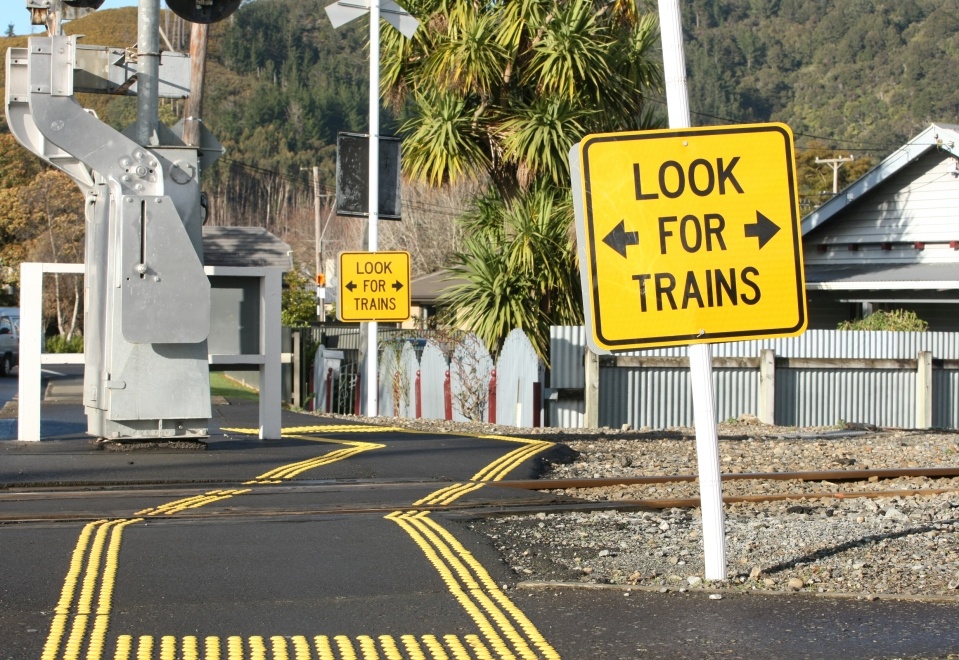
(891,239)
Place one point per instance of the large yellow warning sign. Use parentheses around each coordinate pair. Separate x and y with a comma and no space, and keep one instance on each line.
(690,236)
(374,286)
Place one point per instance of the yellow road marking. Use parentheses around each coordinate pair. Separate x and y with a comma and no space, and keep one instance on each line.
(62,610)
(448,495)
(474,588)
(361,647)
(466,579)
(482,653)
(294,469)
(490,587)
(464,588)
(87,557)
(499,468)
(495,471)
(192,502)
(345,428)
(124,644)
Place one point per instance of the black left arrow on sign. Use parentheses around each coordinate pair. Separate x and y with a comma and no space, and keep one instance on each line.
(397,285)
(619,239)
(763,229)
(350,286)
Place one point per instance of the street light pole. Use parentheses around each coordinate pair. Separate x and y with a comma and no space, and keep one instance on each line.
(318,239)
(342,12)
(372,404)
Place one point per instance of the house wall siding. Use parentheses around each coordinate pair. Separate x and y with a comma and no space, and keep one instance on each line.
(918,204)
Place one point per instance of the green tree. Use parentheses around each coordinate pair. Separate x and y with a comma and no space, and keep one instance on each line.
(518,267)
(501,91)
(298,303)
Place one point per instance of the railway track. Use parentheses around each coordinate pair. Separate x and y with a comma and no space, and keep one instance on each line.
(65,503)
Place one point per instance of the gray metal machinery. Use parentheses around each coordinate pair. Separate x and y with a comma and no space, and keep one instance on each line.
(147,298)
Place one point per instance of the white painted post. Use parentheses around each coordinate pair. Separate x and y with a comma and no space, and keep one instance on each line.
(31,336)
(924,390)
(700,359)
(591,392)
(767,386)
(271,285)
(372,405)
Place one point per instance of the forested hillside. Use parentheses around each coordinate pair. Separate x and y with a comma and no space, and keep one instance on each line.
(851,77)
(860,74)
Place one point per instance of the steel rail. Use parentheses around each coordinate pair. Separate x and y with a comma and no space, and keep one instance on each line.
(470,509)
(824,475)
(489,507)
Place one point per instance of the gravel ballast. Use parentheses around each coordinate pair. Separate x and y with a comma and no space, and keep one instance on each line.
(831,542)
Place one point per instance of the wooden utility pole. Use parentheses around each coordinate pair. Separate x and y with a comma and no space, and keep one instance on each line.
(193,110)
(835,163)
(318,247)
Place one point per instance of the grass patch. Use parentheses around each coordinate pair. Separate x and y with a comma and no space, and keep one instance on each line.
(222,385)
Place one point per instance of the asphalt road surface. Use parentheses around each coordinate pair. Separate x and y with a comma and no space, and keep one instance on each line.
(348,541)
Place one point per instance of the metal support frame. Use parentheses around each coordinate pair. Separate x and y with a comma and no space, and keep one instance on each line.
(269,359)
(147,298)
(31,345)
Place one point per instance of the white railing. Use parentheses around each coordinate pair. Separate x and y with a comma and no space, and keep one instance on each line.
(32,358)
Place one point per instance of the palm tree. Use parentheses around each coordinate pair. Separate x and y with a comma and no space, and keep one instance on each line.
(501,90)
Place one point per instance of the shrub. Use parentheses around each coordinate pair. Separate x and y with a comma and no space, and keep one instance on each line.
(60,344)
(898,320)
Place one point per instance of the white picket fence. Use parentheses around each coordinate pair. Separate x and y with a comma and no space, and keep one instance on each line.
(463,386)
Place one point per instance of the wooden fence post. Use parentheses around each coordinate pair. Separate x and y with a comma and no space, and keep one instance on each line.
(491,398)
(419,395)
(924,390)
(357,395)
(447,397)
(591,393)
(767,386)
(329,390)
(537,404)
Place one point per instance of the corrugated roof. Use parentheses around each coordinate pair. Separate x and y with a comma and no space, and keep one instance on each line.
(938,136)
(427,288)
(245,246)
(882,276)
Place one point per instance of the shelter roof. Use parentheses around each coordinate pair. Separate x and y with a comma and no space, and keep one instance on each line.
(245,246)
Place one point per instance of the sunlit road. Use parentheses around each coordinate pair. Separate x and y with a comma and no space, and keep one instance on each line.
(343,540)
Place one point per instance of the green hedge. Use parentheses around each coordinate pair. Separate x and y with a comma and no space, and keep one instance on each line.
(60,344)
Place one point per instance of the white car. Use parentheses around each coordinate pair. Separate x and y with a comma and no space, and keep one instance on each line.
(9,339)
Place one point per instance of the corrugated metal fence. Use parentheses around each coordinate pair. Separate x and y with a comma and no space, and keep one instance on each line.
(809,394)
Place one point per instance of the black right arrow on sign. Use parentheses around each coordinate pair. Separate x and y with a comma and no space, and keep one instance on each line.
(763,229)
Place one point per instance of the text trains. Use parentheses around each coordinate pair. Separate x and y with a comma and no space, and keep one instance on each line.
(382,304)
(712,288)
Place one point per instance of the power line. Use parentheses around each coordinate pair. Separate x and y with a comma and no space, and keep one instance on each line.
(413,206)
(728,120)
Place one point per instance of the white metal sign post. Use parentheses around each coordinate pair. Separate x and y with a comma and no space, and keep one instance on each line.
(339,13)
(700,356)
(695,260)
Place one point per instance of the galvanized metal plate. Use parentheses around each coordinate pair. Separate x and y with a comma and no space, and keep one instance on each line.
(164,292)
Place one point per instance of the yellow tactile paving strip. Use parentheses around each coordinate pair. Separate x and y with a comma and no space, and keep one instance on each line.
(504,631)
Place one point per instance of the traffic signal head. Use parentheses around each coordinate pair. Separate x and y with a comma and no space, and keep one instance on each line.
(202,11)
(320,279)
